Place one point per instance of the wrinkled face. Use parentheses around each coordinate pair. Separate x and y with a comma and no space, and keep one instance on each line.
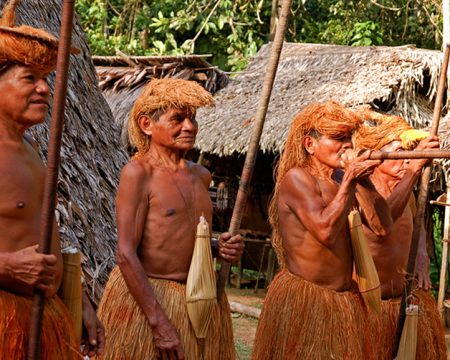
(176,129)
(394,168)
(24,95)
(328,150)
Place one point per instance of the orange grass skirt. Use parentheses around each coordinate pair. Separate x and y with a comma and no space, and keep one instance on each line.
(58,338)
(430,331)
(301,320)
(129,336)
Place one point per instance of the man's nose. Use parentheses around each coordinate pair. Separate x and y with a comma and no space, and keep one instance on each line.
(42,87)
(189,125)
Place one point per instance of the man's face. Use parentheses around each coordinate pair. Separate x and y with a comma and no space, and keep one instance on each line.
(394,168)
(328,150)
(24,95)
(176,129)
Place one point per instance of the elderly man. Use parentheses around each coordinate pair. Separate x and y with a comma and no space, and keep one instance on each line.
(160,199)
(394,180)
(27,55)
(312,309)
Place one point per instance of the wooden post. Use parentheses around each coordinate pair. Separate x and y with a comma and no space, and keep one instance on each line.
(444,260)
(51,176)
(250,159)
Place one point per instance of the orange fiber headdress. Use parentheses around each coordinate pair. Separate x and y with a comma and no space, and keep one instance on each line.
(160,95)
(24,44)
(385,129)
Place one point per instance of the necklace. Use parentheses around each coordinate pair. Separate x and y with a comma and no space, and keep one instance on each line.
(161,165)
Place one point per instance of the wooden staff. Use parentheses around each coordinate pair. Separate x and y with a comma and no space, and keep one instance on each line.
(253,147)
(421,204)
(51,176)
(404,155)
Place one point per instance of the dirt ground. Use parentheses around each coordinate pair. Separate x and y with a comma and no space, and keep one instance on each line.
(244,327)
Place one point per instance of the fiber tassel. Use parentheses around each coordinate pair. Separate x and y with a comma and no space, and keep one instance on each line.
(366,272)
(201,282)
(408,341)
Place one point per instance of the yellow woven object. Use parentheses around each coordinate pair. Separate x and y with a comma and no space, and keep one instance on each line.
(410,138)
(408,341)
(201,282)
(70,290)
(366,272)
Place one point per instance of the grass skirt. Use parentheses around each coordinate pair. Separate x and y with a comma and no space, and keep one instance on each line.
(430,331)
(301,320)
(58,338)
(129,336)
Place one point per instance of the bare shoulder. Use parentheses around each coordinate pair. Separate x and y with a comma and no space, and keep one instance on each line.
(201,172)
(136,169)
(297,179)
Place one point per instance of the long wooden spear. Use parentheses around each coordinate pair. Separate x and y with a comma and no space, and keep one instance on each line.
(51,176)
(421,203)
(250,159)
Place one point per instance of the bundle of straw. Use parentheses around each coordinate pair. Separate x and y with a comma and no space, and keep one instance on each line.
(366,272)
(70,290)
(201,282)
(408,341)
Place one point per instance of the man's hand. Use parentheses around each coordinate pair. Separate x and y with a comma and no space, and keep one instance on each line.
(32,268)
(430,143)
(231,248)
(358,167)
(422,270)
(95,342)
(167,339)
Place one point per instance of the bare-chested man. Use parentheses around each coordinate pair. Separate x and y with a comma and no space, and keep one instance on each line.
(27,55)
(394,180)
(161,196)
(311,310)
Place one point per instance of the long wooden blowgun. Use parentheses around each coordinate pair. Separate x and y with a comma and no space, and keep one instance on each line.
(406,155)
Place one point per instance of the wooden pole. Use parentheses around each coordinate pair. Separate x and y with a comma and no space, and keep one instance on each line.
(253,147)
(444,258)
(421,203)
(415,154)
(51,176)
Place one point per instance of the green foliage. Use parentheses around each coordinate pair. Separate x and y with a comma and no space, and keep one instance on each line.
(233,30)
(435,264)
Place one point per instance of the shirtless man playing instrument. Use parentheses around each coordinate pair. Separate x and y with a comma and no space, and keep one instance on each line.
(395,180)
(312,310)
(160,199)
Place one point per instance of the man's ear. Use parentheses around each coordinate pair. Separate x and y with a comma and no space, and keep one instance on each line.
(146,124)
(310,144)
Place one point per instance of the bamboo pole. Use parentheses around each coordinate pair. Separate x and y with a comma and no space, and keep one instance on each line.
(444,259)
(421,203)
(51,176)
(253,147)
(414,154)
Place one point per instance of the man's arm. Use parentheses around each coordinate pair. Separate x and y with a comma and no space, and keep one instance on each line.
(132,210)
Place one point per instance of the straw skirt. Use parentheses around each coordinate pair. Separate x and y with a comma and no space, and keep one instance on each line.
(301,320)
(430,331)
(129,336)
(58,338)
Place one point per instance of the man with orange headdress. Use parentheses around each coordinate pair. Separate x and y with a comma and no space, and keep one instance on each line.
(312,309)
(394,180)
(161,196)
(27,55)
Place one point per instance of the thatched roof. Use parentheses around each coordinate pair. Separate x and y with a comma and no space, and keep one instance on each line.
(399,79)
(91,153)
(122,78)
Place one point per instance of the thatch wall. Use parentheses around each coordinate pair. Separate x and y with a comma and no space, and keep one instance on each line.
(91,153)
(401,79)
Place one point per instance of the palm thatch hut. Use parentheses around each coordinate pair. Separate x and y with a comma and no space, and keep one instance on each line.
(91,154)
